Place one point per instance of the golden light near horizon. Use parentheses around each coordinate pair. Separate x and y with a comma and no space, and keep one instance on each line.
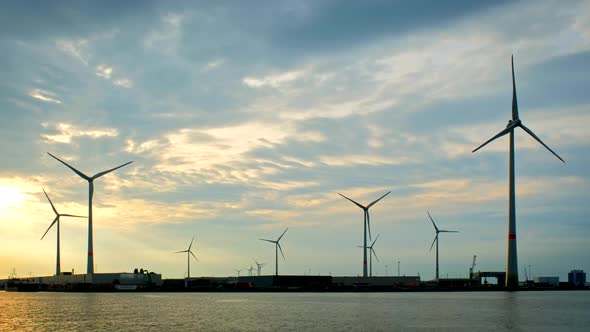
(16,197)
(10,197)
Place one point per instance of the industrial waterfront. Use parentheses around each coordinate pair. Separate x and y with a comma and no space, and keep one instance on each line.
(146,280)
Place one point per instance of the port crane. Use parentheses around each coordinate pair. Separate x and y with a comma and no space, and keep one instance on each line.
(472,267)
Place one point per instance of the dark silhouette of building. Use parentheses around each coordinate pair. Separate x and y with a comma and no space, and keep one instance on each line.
(576,278)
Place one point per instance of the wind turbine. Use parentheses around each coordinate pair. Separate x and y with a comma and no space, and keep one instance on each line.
(277,248)
(436,240)
(367,224)
(371,253)
(90,179)
(54,222)
(512,257)
(259,266)
(189,252)
(250,270)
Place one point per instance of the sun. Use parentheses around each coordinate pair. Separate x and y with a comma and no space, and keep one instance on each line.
(10,197)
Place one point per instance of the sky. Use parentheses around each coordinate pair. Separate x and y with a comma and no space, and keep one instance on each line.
(245,118)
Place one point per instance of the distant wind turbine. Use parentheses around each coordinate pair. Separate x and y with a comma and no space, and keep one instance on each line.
(259,266)
(436,240)
(371,254)
(367,224)
(512,257)
(250,270)
(189,253)
(56,222)
(90,179)
(277,248)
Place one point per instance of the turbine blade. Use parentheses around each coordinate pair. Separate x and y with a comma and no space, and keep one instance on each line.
(368,223)
(194,255)
(271,241)
(48,228)
(190,245)
(50,202)
(378,199)
(530,132)
(375,240)
(279,239)
(443,231)
(97,175)
(433,224)
(375,254)
(500,134)
(514,102)
(281,249)
(432,245)
(357,204)
(80,174)
(72,215)
(179,252)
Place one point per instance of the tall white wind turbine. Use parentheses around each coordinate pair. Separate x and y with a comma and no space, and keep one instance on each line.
(277,248)
(436,240)
(367,224)
(512,257)
(189,253)
(56,222)
(90,179)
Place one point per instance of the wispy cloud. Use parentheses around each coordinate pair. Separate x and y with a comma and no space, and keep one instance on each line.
(44,95)
(359,159)
(214,64)
(167,37)
(67,132)
(123,82)
(77,49)
(104,71)
(274,80)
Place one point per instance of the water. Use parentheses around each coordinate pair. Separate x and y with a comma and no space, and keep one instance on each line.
(487,311)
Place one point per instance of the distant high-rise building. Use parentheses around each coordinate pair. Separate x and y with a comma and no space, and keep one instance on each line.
(576,278)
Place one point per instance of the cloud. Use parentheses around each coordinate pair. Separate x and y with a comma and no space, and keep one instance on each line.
(273,80)
(77,49)
(329,26)
(123,82)
(104,71)
(359,159)
(67,132)
(222,152)
(45,96)
(167,38)
(214,64)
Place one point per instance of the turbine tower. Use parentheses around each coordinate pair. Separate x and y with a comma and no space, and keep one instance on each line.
(56,222)
(189,252)
(277,248)
(371,254)
(90,179)
(512,257)
(436,240)
(367,224)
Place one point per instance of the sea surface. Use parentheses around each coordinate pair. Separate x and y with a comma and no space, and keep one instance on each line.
(457,311)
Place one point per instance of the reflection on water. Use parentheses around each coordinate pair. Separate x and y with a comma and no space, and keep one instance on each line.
(295,311)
